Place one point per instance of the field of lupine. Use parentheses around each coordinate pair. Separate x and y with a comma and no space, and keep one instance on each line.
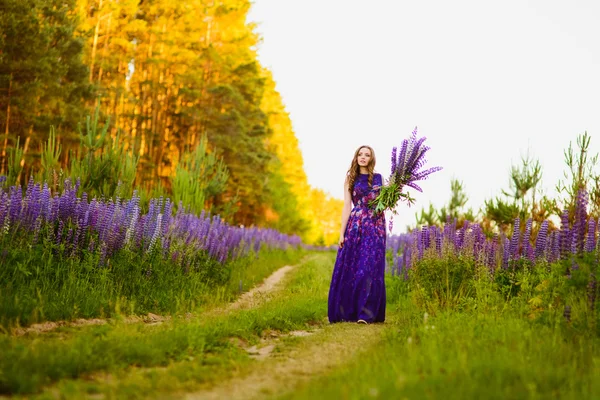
(65,255)
(469,316)
(560,267)
(500,251)
(477,317)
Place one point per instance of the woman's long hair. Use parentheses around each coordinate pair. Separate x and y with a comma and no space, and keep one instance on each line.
(354,169)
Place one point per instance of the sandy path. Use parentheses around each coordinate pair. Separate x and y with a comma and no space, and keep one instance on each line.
(249,299)
(314,356)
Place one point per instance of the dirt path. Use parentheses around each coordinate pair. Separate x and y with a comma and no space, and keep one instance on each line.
(246,300)
(250,298)
(313,356)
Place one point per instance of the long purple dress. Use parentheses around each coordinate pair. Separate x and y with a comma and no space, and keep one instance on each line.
(357,288)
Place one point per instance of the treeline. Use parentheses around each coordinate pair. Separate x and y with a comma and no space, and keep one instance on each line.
(166,75)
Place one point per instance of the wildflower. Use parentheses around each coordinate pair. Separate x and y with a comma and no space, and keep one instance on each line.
(406,170)
(540,242)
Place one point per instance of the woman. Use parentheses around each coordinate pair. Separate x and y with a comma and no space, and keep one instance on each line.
(357,291)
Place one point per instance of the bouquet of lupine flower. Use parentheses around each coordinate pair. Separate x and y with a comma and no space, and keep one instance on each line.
(406,170)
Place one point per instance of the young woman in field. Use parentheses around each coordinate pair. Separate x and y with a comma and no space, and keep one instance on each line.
(357,291)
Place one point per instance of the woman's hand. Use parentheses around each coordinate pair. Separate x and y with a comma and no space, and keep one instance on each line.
(341,242)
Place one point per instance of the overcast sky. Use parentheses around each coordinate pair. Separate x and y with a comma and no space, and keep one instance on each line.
(484,81)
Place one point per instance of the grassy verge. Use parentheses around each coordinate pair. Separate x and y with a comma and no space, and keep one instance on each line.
(187,353)
(37,287)
(467,355)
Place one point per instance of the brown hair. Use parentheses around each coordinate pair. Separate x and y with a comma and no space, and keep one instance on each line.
(354,169)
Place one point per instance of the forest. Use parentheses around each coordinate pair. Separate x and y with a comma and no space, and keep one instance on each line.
(180,95)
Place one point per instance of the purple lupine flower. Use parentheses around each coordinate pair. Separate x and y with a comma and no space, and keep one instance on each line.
(36,229)
(492,254)
(78,233)
(4,207)
(580,221)
(112,223)
(422,241)
(54,208)
(149,227)
(527,249)
(550,245)
(567,313)
(415,153)
(402,157)
(505,252)
(45,207)
(103,255)
(479,239)
(565,235)
(405,172)
(540,241)
(425,237)
(60,231)
(69,238)
(167,215)
(16,200)
(132,225)
(515,239)
(574,264)
(156,234)
(590,240)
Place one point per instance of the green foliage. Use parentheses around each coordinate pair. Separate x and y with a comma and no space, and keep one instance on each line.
(167,74)
(502,212)
(50,158)
(29,364)
(388,198)
(102,163)
(461,334)
(520,201)
(132,284)
(442,283)
(454,209)
(581,174)
(466,356)
(287,216)
(14,167)
(199,177)
(456,204)
(43,80)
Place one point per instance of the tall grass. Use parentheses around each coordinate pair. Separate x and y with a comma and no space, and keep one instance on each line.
(28,364)
(455,331)
(468,356)
(45,287)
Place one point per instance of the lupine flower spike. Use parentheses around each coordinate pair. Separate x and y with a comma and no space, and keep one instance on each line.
(406,171)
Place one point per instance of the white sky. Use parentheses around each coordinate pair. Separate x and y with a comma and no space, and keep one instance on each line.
(484,81)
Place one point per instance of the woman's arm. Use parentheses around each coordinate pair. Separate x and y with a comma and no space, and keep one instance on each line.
(345,211)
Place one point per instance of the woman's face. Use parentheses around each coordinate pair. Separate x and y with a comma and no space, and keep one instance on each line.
(363,157)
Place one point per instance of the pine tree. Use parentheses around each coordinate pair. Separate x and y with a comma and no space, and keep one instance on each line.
(42,74)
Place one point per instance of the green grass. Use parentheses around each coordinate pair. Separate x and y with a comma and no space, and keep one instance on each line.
(195,352)
(482,346)
(500,339)
(459,356)
(37,287)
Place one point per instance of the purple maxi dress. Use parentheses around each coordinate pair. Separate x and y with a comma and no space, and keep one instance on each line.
(357,288)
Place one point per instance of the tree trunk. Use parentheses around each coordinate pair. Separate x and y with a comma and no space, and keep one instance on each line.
(106,37)
(25,148)
(95,43)
(7,127)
